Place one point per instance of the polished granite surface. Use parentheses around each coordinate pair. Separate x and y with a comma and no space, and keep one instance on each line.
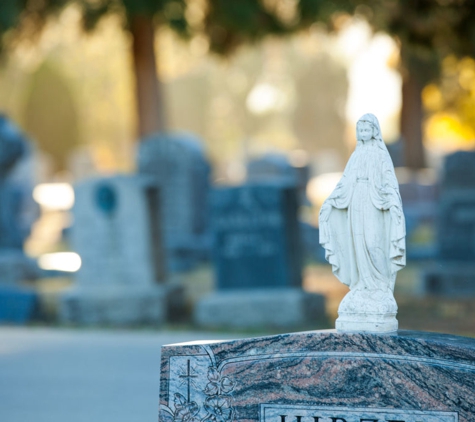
(321,376)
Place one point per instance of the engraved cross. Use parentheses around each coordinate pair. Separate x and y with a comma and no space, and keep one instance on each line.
(188,377)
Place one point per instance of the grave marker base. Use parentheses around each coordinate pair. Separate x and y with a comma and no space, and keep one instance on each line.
(119,306)
(260,308)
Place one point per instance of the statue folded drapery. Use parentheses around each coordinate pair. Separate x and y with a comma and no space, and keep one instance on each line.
(363,232)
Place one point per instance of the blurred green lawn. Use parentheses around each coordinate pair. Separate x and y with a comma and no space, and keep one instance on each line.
(417,311)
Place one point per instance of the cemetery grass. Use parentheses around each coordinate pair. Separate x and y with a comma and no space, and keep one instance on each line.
(417,311)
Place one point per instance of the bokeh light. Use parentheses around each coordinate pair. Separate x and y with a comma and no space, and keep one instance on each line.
(54,196)
(60,261)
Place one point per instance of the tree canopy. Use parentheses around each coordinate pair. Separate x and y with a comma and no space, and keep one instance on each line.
(428,31)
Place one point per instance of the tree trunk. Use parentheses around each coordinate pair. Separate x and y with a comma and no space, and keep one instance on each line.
(412,116)
(150,105)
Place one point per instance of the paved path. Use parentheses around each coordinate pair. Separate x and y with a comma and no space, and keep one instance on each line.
(57,375)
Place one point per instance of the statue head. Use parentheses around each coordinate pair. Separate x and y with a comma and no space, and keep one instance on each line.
(370,121)
(364,131)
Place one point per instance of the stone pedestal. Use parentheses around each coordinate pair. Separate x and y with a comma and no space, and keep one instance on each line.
(371,311)
(320,376)
(260,308)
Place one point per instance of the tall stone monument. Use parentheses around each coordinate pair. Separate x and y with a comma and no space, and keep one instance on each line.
(363,232)
(117,233)
(177,164)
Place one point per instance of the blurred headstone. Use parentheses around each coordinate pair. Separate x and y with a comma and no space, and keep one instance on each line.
(455,272)
(176,162)
(396,152)
(459,171)
(277,168)
(272,167)
(256,237)
(310,241)
(13,147)
(420,194)
(258,259)
(17,302)
(118,235)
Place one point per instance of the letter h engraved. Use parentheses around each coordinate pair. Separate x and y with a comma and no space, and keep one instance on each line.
(297,418)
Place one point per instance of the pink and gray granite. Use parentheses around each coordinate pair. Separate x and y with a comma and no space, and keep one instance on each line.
(321,376)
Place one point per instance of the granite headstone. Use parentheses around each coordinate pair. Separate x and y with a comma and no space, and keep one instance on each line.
(256,236)
(176,162)
(454,273)
(420,202)
(258,260)
(320,376)
(117,234)
(272,167)
(277,168)
(17,303)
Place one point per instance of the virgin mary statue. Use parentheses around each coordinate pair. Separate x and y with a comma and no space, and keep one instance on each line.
(363,232)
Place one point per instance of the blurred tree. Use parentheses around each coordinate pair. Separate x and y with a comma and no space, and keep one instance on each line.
(26,18)
(50,114)
(450,104)
(243,21)
(427,30)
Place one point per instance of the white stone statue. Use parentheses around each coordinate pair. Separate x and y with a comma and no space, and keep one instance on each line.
(363,232)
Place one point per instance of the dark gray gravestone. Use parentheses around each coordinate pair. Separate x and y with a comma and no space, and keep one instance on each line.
(276,168)
(420,204)
(256,236)
(459,171)
(320,376)
(176,162)
(257,257)
(456,239)
(17,303)
(13,146)
(455,271)
(310,236)
(456,229)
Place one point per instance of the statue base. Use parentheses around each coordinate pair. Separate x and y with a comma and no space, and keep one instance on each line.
(370,311)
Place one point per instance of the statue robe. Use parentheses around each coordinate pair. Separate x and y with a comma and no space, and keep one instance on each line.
(362,242)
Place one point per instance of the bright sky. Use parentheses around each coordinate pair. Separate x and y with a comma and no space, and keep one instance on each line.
(374,87)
